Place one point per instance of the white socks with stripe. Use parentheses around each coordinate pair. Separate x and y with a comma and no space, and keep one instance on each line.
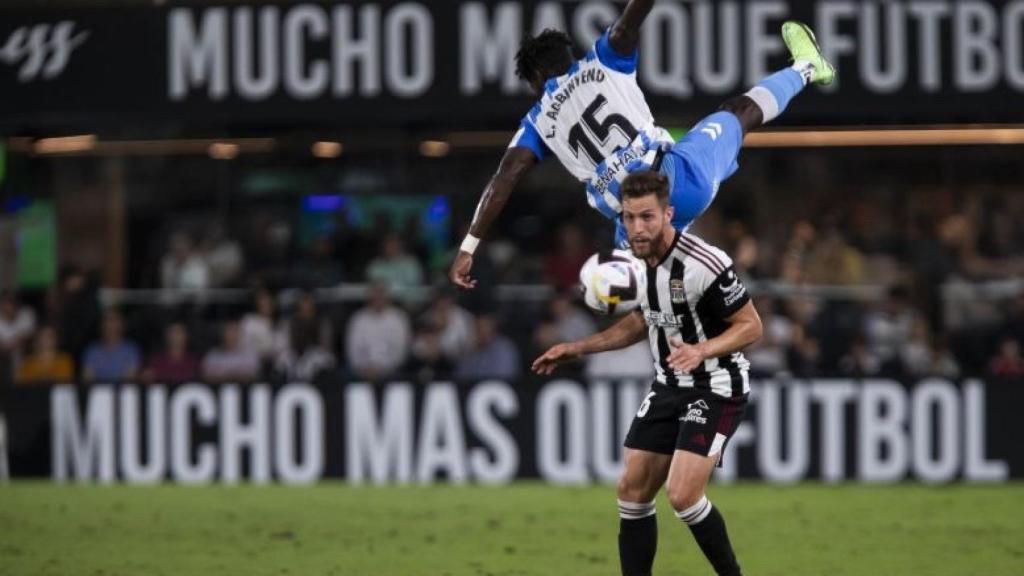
(696,513)
(766,101)
(773,94)
(635,511)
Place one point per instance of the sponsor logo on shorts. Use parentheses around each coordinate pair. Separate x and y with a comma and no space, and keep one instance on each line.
(695,412)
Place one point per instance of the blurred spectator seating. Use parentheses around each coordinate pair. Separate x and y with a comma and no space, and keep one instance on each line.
(378,337)
(231,362)
(46,364)
(174,363)
(493,356)
(113,358)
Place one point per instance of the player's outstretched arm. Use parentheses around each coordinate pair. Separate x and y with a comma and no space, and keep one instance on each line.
(744,329)
(514,164)
(626,332)
(625,33)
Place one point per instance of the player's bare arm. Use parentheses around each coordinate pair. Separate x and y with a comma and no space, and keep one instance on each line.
(625,33)
(626,332)
(744,329)
(514,164)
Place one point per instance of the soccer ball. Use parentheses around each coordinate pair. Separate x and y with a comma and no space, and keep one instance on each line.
(613,282)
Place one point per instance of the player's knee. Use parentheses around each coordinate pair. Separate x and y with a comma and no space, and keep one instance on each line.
(684,497)
(630,490)
(746,110)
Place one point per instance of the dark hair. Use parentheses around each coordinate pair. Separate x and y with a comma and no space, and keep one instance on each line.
(543,56)
(645,183)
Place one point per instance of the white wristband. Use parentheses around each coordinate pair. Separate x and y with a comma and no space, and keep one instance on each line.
(469,244)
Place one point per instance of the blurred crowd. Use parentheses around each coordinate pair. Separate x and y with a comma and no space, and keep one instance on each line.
(924,323)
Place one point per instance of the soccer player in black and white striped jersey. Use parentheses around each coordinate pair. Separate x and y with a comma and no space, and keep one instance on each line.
(697,316)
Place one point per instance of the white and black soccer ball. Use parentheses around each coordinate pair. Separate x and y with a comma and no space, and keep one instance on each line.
(613,282)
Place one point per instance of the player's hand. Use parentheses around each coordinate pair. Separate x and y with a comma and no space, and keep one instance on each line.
(556,356)
(459,273)
(685,357)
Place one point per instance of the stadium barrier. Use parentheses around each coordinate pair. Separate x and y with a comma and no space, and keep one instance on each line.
(562,431)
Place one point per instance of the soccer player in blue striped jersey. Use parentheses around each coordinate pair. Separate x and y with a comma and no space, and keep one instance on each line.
(593,117)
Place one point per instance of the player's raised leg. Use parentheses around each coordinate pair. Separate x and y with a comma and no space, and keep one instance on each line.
(711,148)
(764,102)
(687,482)
(643,476)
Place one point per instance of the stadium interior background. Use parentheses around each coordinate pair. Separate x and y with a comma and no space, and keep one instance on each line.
(207,233)
(865,261)
(225,230)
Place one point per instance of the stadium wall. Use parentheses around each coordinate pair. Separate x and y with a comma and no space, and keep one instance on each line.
(493,432)
(395,64)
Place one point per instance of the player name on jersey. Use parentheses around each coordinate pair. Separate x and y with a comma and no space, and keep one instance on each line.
(565,91)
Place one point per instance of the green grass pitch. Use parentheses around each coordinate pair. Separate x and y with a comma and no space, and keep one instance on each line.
(524,529)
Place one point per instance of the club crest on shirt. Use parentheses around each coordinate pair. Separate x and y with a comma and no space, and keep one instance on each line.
(677,290)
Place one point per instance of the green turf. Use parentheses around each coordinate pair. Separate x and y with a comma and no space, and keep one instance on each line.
(523,529)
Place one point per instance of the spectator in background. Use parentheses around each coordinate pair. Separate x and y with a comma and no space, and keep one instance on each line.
(743,246)
(455,325)
(113,358)
(427,361)
(889,326)
(78,311)
(562,265)
(230,362)
(860,361)
(493,356)
(400,271)
(223,257)
(305,319)
(305,359)
(183,268)
(566,323)
(258,327)
(377,337)
(175,363)
(923,355)
(916,351)
(806,358)
(632,362)
(46,364)
(1007,364)
(797,254)
(17,325)
(320,268)
(944,364)
(770,354)
(833,260)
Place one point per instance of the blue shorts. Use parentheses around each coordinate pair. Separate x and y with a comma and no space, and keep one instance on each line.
(696,166)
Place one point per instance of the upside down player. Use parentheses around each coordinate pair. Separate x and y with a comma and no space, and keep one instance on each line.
(592,115)
(697,316)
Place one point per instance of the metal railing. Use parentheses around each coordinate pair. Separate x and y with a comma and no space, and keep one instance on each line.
(357,292)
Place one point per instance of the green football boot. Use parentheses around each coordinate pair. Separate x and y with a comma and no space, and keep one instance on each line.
(803,47)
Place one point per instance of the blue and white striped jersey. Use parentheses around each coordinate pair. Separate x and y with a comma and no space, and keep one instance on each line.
(595,120)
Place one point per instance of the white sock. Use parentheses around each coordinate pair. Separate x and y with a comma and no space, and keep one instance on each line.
(696,513)
(805,68)
(635,510)
(766,101)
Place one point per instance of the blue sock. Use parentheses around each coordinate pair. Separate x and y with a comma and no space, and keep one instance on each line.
(773,93)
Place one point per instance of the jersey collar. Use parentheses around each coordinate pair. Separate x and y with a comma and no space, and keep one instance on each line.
(670,250)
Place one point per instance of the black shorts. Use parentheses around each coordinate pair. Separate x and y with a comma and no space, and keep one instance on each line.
(697,421)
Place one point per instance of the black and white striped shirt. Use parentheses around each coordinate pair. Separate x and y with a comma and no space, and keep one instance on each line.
(690,294)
